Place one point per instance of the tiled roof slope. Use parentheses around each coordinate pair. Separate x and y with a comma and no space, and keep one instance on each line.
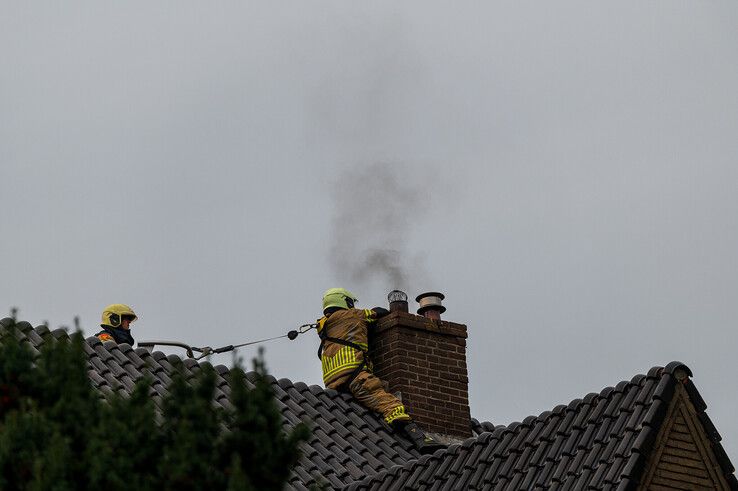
(348,442)
(599,442)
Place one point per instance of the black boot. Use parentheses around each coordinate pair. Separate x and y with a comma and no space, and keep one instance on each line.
(422,442)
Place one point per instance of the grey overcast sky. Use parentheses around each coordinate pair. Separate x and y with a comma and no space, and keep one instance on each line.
(565,172)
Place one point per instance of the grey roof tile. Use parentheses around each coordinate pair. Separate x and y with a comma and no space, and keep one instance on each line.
(572,442)
(477,478)
(593,455)
(96,379)
(541,450)
(493,470)
(554,450)
(599,408)
(529,477)
(633,466)
(722,457)
(34,338)
(567,421)
(619,424)
(598,442)
(608,453)
(507,467)
(626,443)
(569,482)
(583,413)
(128,383)
(412,477)
(712,432)
(502,445)
(646,393)
(543,476)
(645,440)
(559,474)
(636,417)
(516,481)
(603,432)
(576,464)
(587,438)
(694,395)
(583,480)
(615,470)
(599,476)
(334,480)
(656,413)
(501,484)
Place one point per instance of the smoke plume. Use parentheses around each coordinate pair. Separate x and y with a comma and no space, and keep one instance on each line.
(375,208)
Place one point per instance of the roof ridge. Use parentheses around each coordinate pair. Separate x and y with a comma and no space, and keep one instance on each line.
(64,332)
(605,392)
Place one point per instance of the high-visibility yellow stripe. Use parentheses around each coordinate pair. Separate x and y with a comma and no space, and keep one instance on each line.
(347,367)
(397,413)
(344,359)
(344,356)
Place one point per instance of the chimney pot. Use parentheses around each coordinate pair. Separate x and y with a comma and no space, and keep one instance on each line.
(430,305)
(397,301)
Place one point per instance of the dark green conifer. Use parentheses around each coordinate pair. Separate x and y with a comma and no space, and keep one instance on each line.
(257,435)
(58,433)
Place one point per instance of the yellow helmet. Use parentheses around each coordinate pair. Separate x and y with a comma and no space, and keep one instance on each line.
(338,297)
(112,315)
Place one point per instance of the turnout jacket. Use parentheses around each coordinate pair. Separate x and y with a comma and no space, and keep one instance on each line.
(346,352)
(117,334)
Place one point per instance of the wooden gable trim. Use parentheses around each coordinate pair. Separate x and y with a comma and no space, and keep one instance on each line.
(682,457)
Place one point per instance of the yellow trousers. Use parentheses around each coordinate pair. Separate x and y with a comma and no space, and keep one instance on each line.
(369,391)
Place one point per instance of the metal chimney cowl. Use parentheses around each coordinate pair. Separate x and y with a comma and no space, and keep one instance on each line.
(431,305)
(397,301)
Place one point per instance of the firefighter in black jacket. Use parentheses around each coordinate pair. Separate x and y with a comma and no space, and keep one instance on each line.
(116,324)
(343,332)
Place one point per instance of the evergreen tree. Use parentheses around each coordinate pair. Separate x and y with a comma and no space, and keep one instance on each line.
(191,429)
(58,433)
(257,430)
(126,443)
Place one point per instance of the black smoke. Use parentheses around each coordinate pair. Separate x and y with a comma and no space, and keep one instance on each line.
(376,207)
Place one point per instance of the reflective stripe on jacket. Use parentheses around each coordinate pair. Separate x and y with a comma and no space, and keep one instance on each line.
(116,334)
(349,325)
(103,336)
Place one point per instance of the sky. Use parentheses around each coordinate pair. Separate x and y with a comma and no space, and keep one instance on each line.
(565,173)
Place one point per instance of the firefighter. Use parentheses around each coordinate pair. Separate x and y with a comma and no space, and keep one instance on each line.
(343,332)
(116,324)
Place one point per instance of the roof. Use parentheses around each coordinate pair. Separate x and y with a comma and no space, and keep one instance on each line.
(348,442)
(598,442)
(602,441)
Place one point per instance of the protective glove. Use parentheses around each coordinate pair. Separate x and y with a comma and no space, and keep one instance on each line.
(380,312)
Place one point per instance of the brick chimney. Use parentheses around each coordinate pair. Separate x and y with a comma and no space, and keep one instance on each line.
(423,360)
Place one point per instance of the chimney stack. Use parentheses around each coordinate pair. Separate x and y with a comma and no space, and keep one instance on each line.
(423,360)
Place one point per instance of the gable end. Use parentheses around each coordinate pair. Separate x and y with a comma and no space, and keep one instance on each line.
(683,456)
